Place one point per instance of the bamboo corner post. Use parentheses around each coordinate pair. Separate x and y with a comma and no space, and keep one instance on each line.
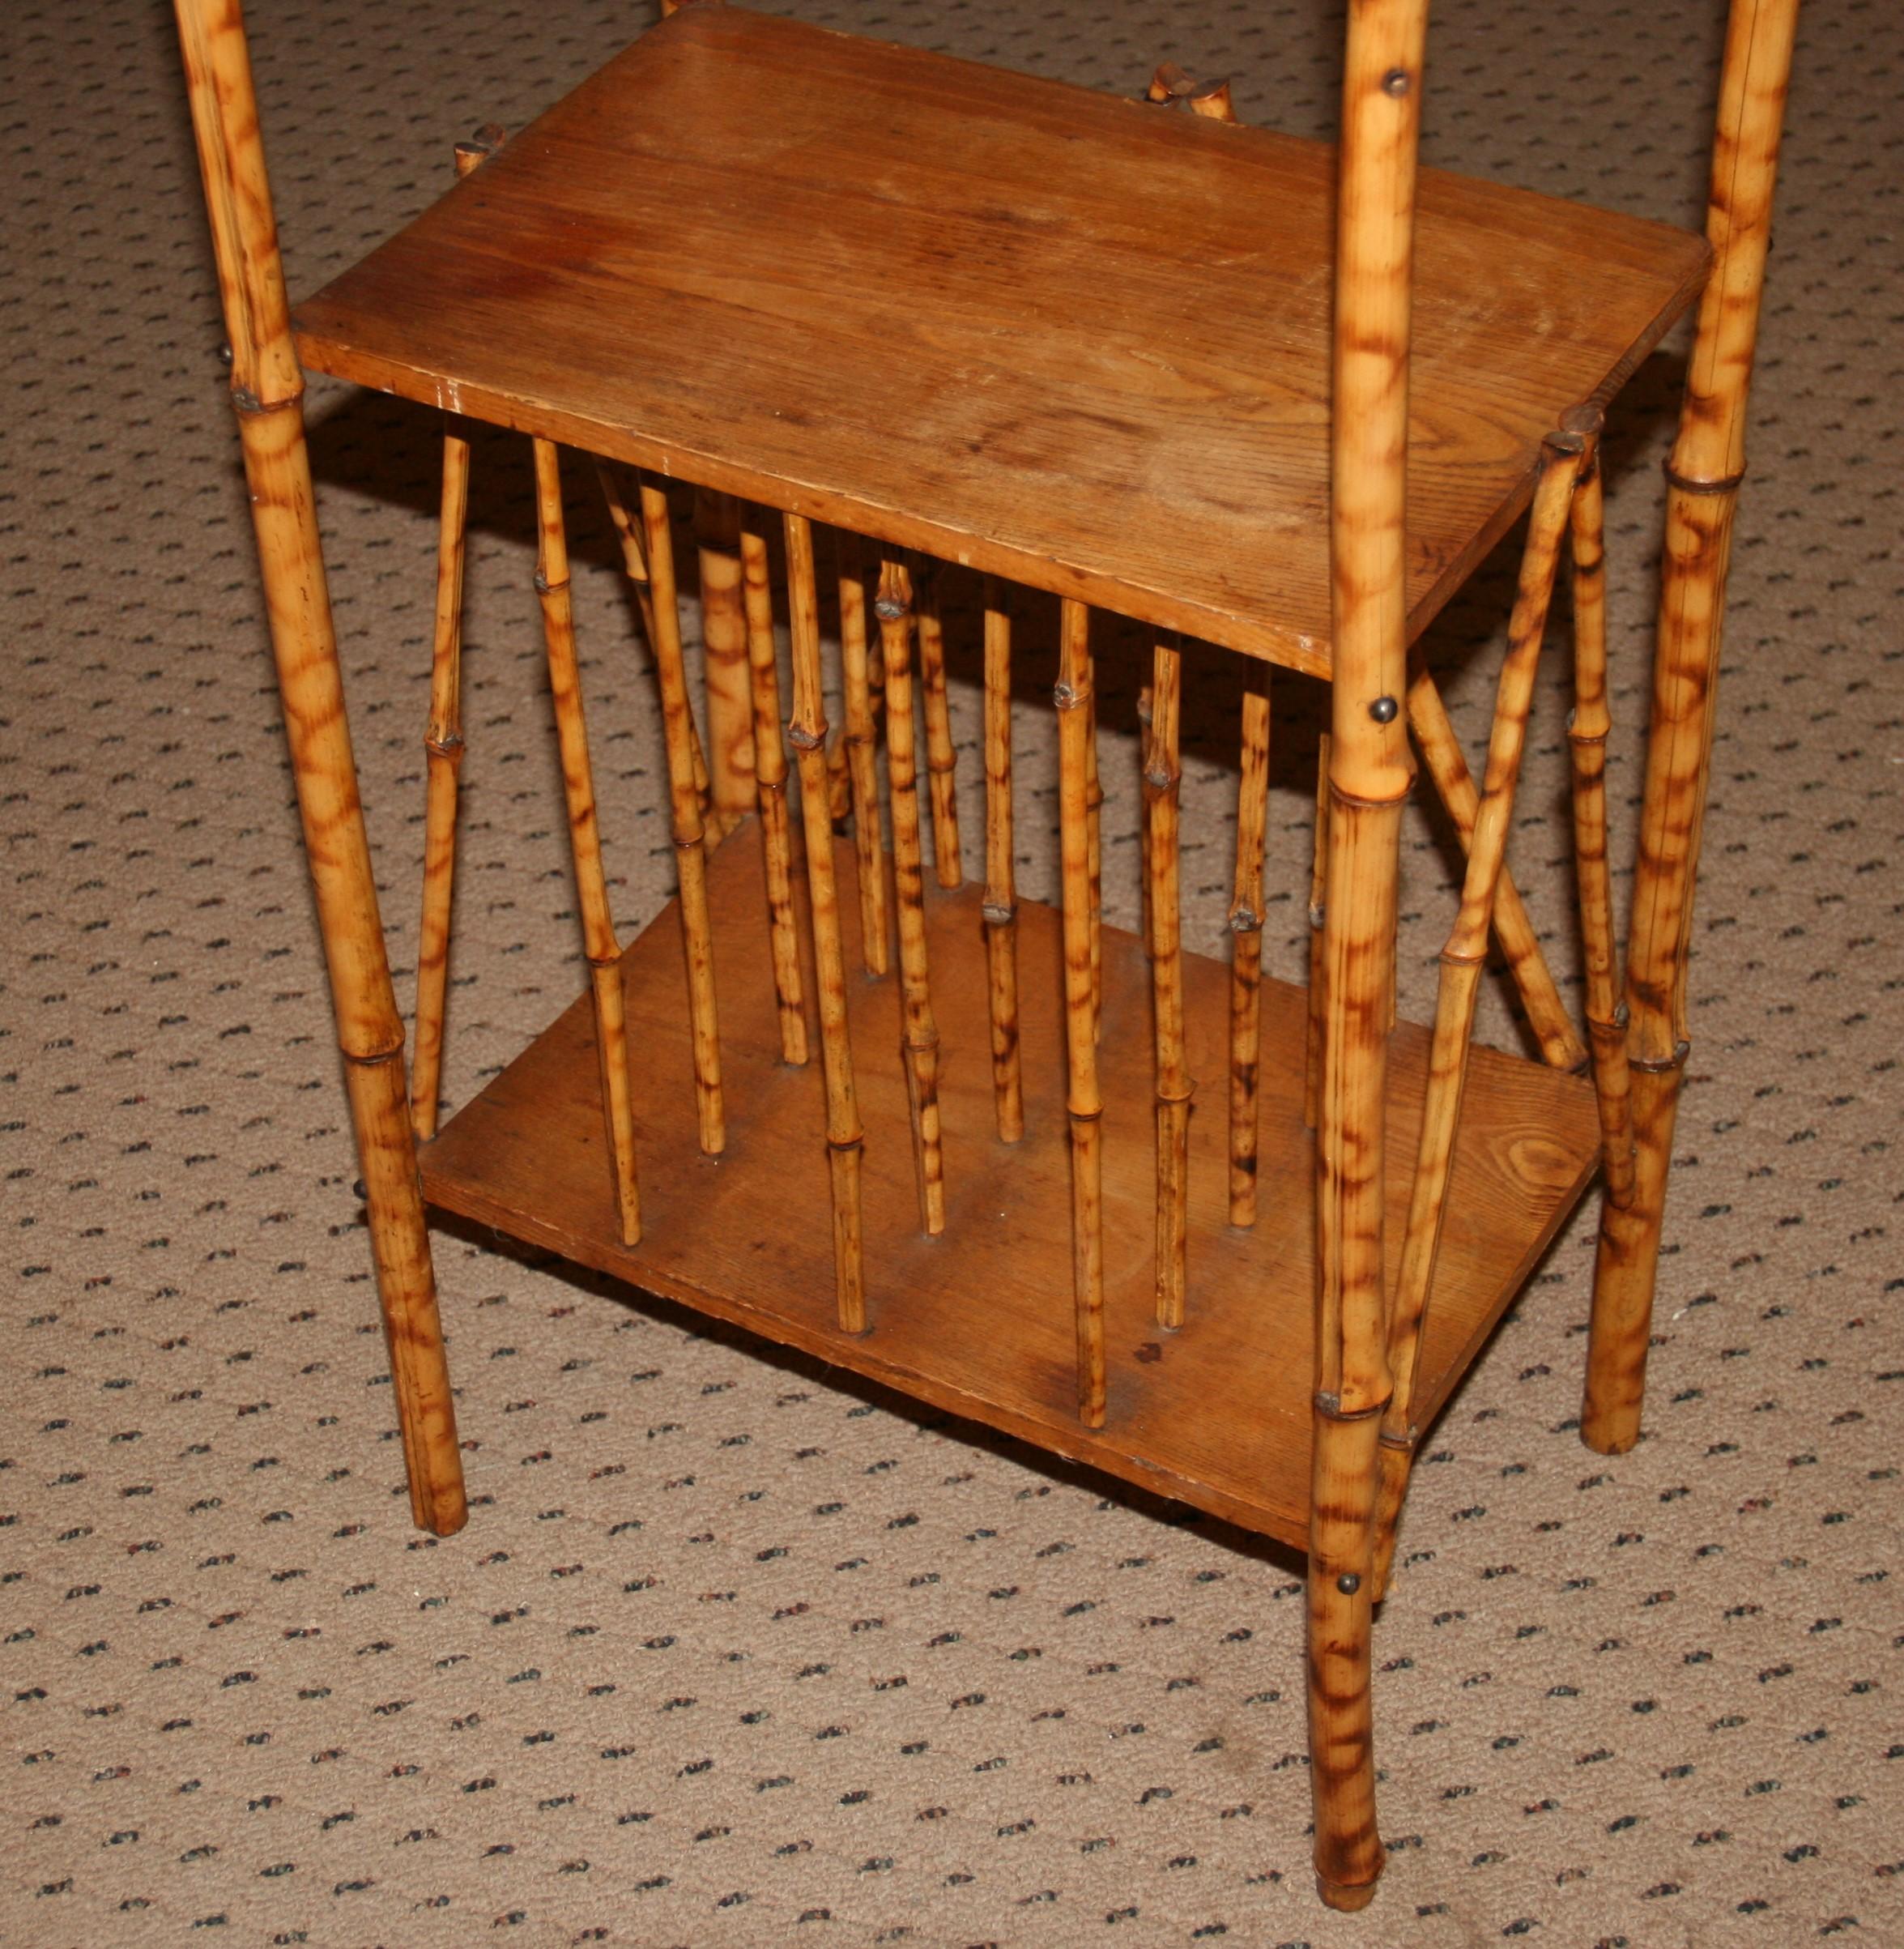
(918,1031)
(442,741)
(860,736)
(1368,779)
(1246,932)
(1076,701)
(769,771)
(1588,726)
(1000,909)
(807,733)
(585,838)
(941,759)
(1463,960)
(1702,478)
(1163,777)
(267,393)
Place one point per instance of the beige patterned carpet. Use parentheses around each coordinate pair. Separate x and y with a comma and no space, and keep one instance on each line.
(730,1653)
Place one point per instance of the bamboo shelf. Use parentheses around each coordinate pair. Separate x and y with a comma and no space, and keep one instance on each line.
(979,1320)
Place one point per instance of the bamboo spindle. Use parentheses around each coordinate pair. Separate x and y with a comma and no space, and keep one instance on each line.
(1143,722)
(442,745)
(1587,729)
(1318,882)
(941,760)
(1520,947)
(769,771)
(729,786)
(585,838)
(860,737)
(267,394)
(1368,777)
(690,852)
(1463,960)
(1703,476)
(1001,890)
(1163,777)
(919,1035)
(1245,931)
(807,734)
(1076,708)
(1094,843)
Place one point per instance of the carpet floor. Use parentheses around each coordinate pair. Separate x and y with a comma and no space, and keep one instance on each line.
(731,1651)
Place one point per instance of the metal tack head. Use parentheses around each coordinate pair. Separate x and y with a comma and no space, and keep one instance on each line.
(1384,710)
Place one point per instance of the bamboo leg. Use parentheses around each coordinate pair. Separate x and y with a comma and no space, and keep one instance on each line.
(1001,892)
(267,392)
(1318,881)
(1076,709)
(585,840)
(1368,777)
(807,733)
(1245,928)
(1162,778)
(1463,960)
(919,1039)
(769,770)
(1527,964)
(729,776)
(1587,728)
(1702,477)
(442,745)
(860,738)
(941,761)
(690,855)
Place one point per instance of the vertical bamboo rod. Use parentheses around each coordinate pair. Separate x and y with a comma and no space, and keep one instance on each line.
(1587,728)
(1076,710)
(919,1035)
(442,744)
(770,772)
(1246,933)
(1703,475)
(941,760)
(1001,891)
(1143,722)
(730,758)
(807,733)
(1462,959)
(690,853)
(585,838)
(1319,883)
(1520,947)
(1163,776)
(267,393)
(1094,842)
(860,738)
(1368,779)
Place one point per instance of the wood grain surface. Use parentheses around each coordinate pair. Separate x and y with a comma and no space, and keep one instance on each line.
(979,1320)
(1048,332)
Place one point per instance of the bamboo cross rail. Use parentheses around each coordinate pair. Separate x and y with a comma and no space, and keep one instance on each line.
(1076,704)
(1462,959)
(807,733)
(1001,892)
(442,742)
(860,738)
(941,760)
(1246,930)
(690,856)
(584,838)
(1587,727)
(919,1035)
(1163,776)
(769,773)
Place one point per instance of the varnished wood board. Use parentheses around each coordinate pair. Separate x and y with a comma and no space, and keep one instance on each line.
(979,1321)
(1062,337)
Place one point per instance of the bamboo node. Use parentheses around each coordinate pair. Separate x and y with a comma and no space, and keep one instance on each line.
(1067,696)
(889,609)
(1394,83)
(544,586)
(1084,1116)
(1405,1440)
(1726,484)
(1318,916)
(806,739)
(248,405)
(1246,920)
(1165,1097)
(1329,1405)
(844,1144)
(1660,1066)
(451,747)
(999,914)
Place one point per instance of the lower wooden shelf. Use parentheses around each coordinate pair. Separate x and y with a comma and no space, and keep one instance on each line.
(979,1320)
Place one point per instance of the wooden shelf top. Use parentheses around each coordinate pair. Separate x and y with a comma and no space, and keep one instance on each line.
(979,1321)
(1072,339)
